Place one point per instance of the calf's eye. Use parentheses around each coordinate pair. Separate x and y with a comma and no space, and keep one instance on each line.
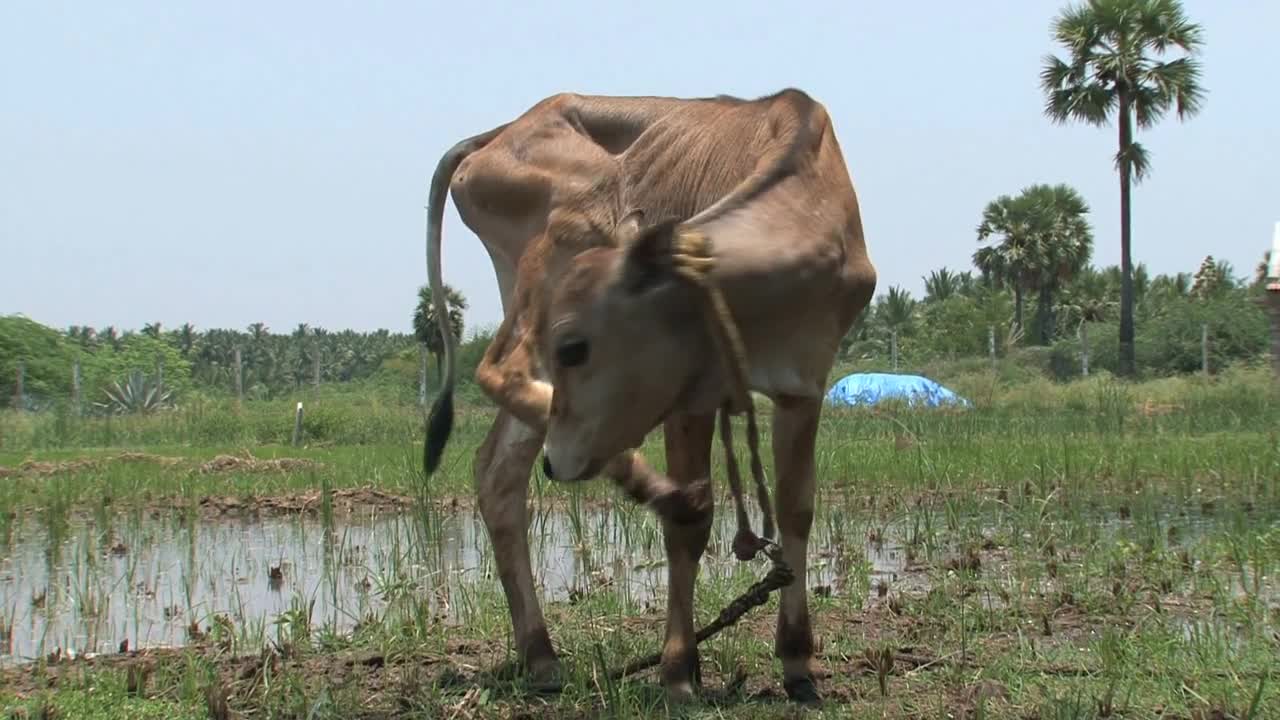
(572,353)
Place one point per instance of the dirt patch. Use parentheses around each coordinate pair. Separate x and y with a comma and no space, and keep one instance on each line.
(342,501)
(246,462)
(43,468)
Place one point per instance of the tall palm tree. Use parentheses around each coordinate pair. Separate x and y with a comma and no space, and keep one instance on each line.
(1114,67)
(426,329)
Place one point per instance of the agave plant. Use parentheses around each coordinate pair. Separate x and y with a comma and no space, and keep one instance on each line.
(138,394)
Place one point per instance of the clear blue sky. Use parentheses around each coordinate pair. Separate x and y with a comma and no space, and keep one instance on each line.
(226,163)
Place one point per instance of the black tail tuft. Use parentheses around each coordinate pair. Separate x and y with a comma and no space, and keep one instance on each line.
(439,426)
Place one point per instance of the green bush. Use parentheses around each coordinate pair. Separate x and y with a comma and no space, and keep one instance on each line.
(46,356)
(1170,341)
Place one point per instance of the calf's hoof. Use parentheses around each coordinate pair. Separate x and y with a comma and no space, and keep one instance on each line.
(681,693)
(802,690)
(682,678)
(544,675)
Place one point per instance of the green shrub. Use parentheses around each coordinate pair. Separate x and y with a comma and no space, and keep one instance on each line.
(46,356)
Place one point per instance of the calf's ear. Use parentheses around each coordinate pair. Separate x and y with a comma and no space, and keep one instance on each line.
(646,263)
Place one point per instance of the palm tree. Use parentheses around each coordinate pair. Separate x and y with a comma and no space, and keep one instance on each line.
(426,329)
(84,335)
(1006,264)
(1113,67)
(110,337)
(942,284)
(1045,240)
(1176,285)
(1059,219)
(894,316)
(186,339)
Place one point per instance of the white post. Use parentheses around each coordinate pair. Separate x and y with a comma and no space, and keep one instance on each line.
(297,425)
(991,344)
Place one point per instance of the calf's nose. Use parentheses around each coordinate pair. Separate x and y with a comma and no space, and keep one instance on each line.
(546,468)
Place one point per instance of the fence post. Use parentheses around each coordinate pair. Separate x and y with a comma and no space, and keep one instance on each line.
(893,348)
(19,397)
(1204,348)
(159,371)
(75,387)
(235,355)
(297,425)
(422,374)
(991,344)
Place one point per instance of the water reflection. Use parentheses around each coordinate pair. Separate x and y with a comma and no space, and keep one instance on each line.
(87,586)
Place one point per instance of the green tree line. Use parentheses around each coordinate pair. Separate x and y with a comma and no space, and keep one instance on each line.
(170,363)
(1076,310)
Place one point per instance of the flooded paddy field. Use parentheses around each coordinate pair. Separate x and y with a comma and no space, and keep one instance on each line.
(956,569)
(154,580)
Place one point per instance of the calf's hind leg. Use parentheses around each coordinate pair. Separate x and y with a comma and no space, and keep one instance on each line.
(502,468)
(795,431)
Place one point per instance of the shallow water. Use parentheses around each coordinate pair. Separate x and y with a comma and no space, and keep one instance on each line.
(87,587)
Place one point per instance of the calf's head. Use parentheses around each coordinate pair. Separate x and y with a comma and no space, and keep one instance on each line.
(624,344)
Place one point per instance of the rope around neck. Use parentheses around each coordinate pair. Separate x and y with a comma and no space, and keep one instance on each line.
(691,259)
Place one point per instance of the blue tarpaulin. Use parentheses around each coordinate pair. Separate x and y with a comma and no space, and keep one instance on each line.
(871,388)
